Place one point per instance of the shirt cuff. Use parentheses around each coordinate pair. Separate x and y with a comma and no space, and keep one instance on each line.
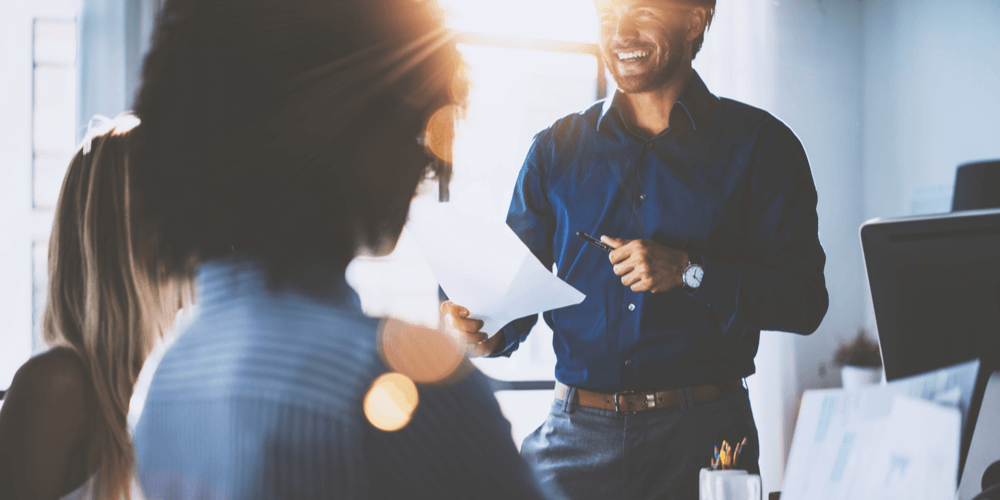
(511,341)
(719,290)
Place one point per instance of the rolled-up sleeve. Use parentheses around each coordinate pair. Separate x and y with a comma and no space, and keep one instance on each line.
(780,286)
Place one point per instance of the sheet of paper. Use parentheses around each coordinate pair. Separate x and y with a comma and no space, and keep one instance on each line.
(483,266)
(837,429)
(949,386)
(916,456)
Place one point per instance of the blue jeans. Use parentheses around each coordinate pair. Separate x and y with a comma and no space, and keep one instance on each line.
(590,453)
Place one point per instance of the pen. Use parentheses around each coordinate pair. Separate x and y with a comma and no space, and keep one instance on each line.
(594,241)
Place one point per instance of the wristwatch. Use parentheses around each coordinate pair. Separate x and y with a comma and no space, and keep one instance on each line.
(693,273)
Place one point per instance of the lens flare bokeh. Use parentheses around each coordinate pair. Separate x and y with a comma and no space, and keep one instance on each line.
(391,401)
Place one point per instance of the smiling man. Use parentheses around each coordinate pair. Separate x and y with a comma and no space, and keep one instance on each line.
(710,208)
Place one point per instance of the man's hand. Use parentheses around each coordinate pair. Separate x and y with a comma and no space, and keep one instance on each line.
(467,330)
(647,266)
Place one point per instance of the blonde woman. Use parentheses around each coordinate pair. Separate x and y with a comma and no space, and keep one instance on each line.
(63,430)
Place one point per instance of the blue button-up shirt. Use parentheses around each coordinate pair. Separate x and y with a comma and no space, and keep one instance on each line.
(728,183)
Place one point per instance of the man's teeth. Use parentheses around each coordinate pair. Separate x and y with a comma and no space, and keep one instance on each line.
(631,56)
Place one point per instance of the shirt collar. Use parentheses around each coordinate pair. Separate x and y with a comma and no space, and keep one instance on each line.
(224,281)
(695,102)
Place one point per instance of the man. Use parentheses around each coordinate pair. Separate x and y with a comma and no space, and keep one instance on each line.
(710,209)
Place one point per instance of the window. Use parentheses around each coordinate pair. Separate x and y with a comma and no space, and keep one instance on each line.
(38,65)
(53,143)
(54,113)
(526,71)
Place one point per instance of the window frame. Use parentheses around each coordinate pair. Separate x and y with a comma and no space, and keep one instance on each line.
(541,45)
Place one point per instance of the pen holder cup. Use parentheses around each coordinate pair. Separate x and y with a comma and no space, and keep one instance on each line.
(728,485)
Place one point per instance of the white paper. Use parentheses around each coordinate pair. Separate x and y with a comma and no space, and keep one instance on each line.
(916,456)
(837,429)
(483,266)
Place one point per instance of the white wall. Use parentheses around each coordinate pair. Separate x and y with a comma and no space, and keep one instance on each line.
(818,94)
(931,97)
(931,101)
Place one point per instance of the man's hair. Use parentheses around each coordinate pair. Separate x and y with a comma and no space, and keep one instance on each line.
(289,129)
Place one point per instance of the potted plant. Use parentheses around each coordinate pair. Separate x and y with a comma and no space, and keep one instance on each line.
(860,362)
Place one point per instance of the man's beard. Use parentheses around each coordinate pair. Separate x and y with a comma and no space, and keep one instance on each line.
(645,82)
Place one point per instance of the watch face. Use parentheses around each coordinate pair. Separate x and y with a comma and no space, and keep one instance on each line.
(693,275)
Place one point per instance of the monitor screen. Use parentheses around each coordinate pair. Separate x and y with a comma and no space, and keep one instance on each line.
(935,285)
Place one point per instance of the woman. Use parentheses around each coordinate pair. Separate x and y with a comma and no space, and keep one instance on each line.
(284,137)
(63,427)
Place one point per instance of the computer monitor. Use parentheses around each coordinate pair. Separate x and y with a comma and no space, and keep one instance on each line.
(935,285)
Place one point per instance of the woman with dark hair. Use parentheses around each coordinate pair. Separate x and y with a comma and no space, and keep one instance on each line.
(284,138)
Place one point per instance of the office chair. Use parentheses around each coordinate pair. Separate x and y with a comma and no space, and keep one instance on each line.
(977,186)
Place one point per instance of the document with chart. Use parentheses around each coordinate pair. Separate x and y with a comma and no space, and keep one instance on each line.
(881,442)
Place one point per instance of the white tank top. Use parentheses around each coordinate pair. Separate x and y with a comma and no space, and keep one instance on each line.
(86,491)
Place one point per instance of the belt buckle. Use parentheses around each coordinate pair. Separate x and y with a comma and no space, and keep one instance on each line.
(618,410)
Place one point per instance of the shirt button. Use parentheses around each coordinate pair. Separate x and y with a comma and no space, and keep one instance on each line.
(631,307)
(642,197)
(628,362)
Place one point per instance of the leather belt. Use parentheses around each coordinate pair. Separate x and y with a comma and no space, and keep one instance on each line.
(629,402)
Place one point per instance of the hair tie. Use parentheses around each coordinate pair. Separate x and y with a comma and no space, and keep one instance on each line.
(88,138)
